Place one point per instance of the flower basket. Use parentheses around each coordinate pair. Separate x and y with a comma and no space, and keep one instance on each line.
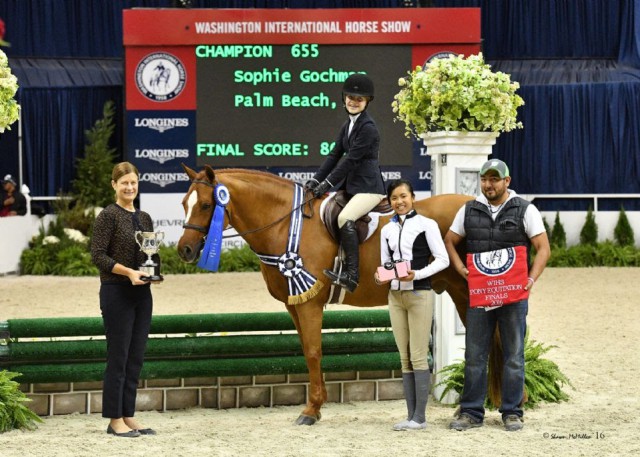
(457,94)
(8,88)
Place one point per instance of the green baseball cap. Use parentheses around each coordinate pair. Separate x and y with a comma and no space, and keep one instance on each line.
(497,165)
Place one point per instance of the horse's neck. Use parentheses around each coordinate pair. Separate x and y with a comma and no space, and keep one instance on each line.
(256,201)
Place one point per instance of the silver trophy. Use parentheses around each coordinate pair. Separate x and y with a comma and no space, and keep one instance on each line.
(149,243)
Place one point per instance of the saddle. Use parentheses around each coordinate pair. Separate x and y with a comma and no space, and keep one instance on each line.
(365,226)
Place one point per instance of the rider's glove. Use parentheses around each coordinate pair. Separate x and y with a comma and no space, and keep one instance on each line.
(311,184)
(321,188)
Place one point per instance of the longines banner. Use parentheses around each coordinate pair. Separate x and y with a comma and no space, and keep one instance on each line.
(261,88)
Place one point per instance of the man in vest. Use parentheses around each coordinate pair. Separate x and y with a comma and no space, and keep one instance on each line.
(499,229)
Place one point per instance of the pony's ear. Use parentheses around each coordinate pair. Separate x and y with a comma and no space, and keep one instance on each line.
(190,173)
(211,175)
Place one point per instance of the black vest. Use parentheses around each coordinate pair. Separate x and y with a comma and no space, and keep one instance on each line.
(484,234)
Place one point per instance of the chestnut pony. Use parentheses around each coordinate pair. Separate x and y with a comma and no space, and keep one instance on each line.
(259,209)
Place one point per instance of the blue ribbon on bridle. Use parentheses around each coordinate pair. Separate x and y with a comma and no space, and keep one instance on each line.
(210,257)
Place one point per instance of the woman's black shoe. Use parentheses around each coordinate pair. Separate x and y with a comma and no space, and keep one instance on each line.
(129,434)
(146,431)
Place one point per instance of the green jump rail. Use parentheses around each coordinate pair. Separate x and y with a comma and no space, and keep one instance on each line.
(185,356)
(193,323)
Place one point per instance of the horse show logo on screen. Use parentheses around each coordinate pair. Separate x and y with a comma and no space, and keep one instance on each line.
(439,55)
(494,263)
(160,76)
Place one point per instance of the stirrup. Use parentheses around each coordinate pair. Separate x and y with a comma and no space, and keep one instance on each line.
(342,280)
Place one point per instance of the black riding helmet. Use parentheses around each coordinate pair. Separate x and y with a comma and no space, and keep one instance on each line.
(358,84)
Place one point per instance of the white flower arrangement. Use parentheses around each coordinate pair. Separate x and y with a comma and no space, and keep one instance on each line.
(50,239)
(8,88)
(75,235)
(457,94)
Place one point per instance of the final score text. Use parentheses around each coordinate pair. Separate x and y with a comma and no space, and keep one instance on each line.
(259,149)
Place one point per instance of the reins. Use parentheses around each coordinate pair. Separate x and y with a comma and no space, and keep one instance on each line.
(205,230)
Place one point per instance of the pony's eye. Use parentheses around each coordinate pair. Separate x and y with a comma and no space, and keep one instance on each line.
(206,206)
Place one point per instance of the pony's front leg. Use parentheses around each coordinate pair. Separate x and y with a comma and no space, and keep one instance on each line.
(309,323)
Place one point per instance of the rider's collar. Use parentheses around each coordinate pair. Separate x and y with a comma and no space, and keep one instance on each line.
(398,218)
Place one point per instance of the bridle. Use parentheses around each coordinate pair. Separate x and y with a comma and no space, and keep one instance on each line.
(201,228)
(205,230)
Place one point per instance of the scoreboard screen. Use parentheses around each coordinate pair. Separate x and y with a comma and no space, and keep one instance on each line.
(265,105)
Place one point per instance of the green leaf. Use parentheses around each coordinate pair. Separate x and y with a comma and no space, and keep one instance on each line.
(14,414)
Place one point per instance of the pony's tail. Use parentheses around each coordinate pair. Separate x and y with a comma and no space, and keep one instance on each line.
(495,370)
(307,295)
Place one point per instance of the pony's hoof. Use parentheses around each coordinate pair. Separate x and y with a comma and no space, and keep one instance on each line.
(303,419)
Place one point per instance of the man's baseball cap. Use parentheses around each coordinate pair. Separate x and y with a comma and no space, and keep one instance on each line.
(497,165)
(9,178)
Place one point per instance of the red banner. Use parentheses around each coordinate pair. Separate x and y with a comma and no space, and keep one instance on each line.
(447,26)
(498,277)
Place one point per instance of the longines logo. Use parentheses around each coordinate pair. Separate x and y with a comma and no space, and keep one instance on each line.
(161,124)
(495,263)
(162,155)
(163,179)
(300,177)
(388,175)
(160,76)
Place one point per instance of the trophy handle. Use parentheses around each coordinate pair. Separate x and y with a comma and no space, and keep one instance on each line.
(138,241)
(159,236)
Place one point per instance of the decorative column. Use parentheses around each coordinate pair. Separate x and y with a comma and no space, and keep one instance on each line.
(456,158)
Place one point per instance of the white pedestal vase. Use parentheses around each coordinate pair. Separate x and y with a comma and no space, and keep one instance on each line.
(456,158)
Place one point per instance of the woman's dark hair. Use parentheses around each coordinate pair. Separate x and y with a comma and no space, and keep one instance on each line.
(397,183)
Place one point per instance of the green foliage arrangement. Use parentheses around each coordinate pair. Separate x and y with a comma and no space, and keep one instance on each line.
(64,252)
(623,233)
(542,378)
(72,214)
(606,254)
(452,379)
(589,232)
(457,94)
(8,87)
(558,235)
(14,414)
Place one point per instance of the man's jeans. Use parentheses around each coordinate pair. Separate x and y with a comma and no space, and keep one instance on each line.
(480,326)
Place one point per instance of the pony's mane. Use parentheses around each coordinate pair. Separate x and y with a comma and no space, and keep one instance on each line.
(253,173)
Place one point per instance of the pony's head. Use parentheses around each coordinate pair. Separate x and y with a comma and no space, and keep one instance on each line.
(199,204)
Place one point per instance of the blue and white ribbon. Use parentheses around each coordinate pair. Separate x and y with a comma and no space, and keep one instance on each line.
(290,263)
(210,257)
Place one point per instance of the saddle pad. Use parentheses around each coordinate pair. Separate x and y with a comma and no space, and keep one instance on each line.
(372,224)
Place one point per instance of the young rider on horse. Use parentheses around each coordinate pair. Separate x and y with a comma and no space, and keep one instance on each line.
(352,165)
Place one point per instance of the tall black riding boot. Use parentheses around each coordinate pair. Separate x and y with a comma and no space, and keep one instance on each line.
(349,276)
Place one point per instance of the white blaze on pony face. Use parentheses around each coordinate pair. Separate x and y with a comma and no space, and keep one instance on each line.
(191,202)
